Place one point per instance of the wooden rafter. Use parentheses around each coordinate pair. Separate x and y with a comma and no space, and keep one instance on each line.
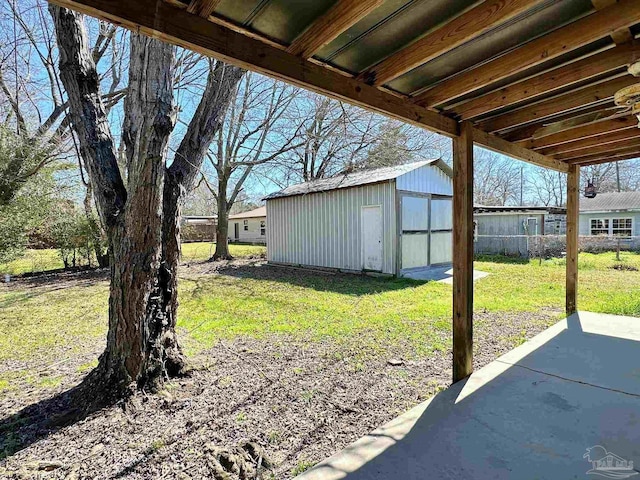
(461,29)
(613,154)
(585,143)
(546,83)
(203,8)
(600,149)
(496,144)
(591,94)
(600,24)
(162,20)
(607,158)
(586,131)
(344,14)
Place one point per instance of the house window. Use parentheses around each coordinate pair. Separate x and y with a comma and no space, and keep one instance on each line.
(557,226)
(246,225)
(622,227)
(263,228)
(599,226)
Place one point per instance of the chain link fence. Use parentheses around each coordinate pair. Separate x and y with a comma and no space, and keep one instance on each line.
(548,246)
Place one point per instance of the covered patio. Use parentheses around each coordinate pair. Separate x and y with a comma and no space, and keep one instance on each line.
(532,413)
(542,81)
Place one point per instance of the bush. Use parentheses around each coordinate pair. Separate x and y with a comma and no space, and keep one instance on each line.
(77,239)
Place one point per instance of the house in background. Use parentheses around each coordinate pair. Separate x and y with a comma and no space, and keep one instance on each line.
(249,227)
(506,230)
(391,220)
(198,228)
(611,214)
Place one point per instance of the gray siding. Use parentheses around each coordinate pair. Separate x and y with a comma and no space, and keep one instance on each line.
(585,220)
(427,179)
(505,224)
(323,229)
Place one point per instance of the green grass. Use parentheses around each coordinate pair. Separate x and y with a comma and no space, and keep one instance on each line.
(201,251)
(47,324)
(49,259)
(33,261)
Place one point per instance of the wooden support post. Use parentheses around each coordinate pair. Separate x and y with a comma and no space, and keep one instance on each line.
(573,189)
(463,253)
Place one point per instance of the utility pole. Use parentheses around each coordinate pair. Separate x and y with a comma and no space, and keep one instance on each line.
(522,185)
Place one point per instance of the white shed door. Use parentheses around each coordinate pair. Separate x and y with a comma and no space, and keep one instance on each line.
(371,218)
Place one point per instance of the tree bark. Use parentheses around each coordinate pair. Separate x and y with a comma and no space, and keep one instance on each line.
(222,226)
(142,219)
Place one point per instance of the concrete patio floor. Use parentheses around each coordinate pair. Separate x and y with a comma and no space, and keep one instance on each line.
(531,414)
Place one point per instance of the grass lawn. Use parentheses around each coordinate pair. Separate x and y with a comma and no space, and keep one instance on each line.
(50,322)
(49,259)
(299,361)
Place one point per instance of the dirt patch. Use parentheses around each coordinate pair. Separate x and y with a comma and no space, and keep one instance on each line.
(300,400)
(624,267)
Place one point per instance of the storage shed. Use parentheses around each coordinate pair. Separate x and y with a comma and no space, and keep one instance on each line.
(390,220)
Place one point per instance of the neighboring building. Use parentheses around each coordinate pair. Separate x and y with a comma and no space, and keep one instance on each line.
(506,230)
(196,228)
(611,214)
(389,220)
(249,227)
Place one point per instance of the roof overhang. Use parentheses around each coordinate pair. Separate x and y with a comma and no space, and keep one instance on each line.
(535,78)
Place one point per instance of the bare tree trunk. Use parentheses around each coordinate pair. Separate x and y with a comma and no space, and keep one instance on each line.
(102,257)
(141,220)
(222,227)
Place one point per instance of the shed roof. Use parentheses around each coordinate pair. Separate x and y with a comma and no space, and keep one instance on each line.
(255,213)
(354,179)
(524,209)
(613,201)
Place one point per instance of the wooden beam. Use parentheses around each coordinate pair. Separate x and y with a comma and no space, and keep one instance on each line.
(586,143)
(595,160)
(463,253)
(573,212)
(587,131)
(339,18)
(600,24)
(174,25)
(546,83)
(499,145)
(633,151)
(471,24)
(607,149)
(531,130)
(203,8)
(591,94)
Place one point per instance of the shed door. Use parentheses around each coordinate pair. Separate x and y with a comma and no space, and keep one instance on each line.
(371,218)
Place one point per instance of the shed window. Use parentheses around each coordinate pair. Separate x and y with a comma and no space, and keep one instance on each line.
(263,228)
(246,225)
(599,226)
(622,227)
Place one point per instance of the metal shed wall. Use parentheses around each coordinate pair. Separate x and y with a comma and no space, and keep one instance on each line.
(323,229)
(427,179)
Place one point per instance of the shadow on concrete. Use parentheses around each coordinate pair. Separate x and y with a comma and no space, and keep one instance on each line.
(533,413)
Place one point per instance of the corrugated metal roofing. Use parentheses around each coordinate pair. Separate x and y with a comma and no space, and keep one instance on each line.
(255,213)
(354,179)
(611,201)
(519,209)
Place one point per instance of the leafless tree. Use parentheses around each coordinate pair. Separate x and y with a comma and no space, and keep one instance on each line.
(548,187)
(497,179)
(338,138)
(257,131)
(32,92)
(141,211)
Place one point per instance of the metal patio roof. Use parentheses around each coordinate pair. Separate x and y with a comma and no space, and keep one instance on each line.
(536,78)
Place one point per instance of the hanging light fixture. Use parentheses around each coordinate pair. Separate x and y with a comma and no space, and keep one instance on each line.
(590,190)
